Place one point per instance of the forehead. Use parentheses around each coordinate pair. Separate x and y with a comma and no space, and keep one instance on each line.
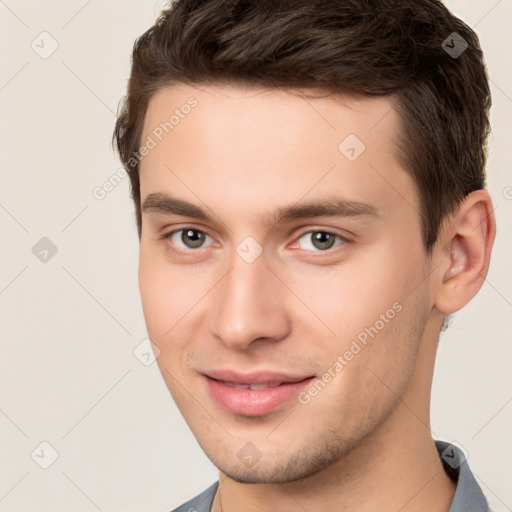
(255,110)
(248,144)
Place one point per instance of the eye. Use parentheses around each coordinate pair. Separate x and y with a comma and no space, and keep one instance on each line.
(191,238)
(320,240)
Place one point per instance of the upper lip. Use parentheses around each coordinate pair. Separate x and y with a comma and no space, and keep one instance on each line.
(257,377)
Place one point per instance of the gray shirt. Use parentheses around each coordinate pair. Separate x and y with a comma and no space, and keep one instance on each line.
(468,495)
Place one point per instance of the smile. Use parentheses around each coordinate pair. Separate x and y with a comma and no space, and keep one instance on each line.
(253,399)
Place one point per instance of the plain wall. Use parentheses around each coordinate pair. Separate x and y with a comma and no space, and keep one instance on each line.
(69,326)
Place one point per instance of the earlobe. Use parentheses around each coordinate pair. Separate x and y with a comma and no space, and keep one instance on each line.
(467,239)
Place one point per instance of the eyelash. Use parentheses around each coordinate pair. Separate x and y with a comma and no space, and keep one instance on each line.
(343,239)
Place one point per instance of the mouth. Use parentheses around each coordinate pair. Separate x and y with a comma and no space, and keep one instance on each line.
(255,395)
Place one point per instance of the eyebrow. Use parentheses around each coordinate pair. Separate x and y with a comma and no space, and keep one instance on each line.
(331,206)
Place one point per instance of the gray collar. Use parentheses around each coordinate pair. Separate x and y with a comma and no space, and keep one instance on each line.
(468,495)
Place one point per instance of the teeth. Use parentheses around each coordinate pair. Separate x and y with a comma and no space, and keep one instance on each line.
(237,386)
(253,387)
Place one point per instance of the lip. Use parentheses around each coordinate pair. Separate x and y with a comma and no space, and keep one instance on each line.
(256,402)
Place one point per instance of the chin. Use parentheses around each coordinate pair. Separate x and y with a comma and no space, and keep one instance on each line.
(297,467)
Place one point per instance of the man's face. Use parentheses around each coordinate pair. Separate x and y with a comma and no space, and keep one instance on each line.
(268,300)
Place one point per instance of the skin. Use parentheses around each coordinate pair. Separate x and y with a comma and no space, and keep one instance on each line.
(364,442)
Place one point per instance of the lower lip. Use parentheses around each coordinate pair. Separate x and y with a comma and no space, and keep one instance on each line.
(250,402)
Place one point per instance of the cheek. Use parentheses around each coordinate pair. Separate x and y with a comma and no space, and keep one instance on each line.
(164,291)
(161,278)
(173,298)
(378,361)
(369,309)
(351,296)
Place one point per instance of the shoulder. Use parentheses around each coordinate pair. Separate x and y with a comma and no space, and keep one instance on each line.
(200,503)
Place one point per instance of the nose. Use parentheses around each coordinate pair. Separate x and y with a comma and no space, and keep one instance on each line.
(249,305)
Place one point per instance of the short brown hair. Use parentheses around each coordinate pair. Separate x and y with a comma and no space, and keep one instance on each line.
(396,48)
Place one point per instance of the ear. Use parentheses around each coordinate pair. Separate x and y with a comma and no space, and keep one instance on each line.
(466,241)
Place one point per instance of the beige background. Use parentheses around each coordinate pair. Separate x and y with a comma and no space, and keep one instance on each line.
(69,326)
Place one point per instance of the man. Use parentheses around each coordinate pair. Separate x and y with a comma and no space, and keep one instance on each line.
(309,189)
